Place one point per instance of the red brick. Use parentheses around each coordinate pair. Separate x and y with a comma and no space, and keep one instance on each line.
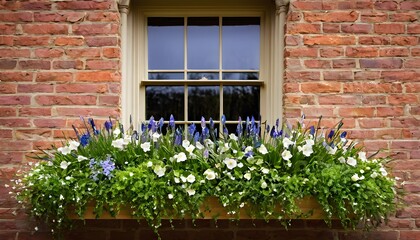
(374,17)
(389,28)
(109,101)
(7,29)
(376,40)
(356,28)
(303,28)
(33,134)
(404,41)
(339,100)
(68,64)
(328,52)
(6,40)
(344,16)
(386,5)
(294,16)
(344,63)
(403,99)
(389,111)
(372,235)
(394,52)
(47,100)
(59,16)
(411,133)
(82,88)
(311,111)
(54,77)
(362,52)
(356,112)
(7,64)
(15,53)
(7,112)
(11,157)
(84,5)
(299,76)
(101,41)
(291,87)
(15,100)
(69,41)
(330,28)
(355,5)
(114,88)
(34,111)
(410,5)
(361,87)
(403,17)
(307,5)
(45,28)
(83,52)
(36,6)
(75,112)
(412,63)
(6,133)
(405,144)
(16,17)
(405,123)
(412,88)
(103,17)
(50,123)
(399,223)
(381,63)
(111,52)
(413,28)
(373,123)
(321,87)
(373,100)
(95,29)
(100,76)
(299,99)
(6,88)
(367,75)
(15,122)
(35,64)
(49,52)
(102,64)
(317,63)
(33,88)
(338,75)
(16,76)
(329,40)
(301,52)
(400,75)
(31,41)
(15,145)
(410,235)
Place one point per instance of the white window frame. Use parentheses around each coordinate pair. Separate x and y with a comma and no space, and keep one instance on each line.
(134,47)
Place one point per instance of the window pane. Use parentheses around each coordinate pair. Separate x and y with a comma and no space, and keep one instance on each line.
(166,43)
(201,75)
(240,76)
(241,101)
(165,76)
(203,43)
(162,101)
(241,43)
(203,101)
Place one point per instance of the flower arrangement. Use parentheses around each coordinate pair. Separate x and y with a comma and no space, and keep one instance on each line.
(163,171)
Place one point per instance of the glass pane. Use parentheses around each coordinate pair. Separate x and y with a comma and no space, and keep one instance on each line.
(162,101)
(241,101)
(240,76)
(166,43)
(203,76)
(203,43)
(203,101)
(166,75)
(241,43)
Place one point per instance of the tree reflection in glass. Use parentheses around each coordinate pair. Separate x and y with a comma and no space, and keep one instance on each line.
(162,101)
(203,101)
(241,101)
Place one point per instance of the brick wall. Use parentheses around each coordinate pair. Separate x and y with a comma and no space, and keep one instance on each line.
(357,60)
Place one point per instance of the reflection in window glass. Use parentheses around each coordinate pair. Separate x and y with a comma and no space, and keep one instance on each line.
(165,43)
(241,101)
(203,101)
(162,101)
(240,76)
(203,43)
(203,75)
(241,43)
(165,76)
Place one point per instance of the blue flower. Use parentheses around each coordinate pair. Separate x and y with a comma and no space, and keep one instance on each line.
(331,134)
(178,138)
(312,130)
(172,122)
(223,120)
(108,125)
(191,129)
(107,166)
(203,122)
(211,123)
(343,135)
(92,124)
(84,140)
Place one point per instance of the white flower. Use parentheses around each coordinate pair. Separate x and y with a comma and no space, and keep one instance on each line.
(64,150)
(176,180)
(248,149)
(286,155)
(119,143)
(331,150)
(247,176)
(263,185)
(73,145)
(61,197)
(341,159)
(287,142)
(224,148)
(199,145)
(155,136)
(351,161)
(170,196)
(190,178)
(383,171)
(190,191)
(240,165)
(159,171)
(149,164)
(50,163)
(183,179)
(68,178)
(116,132)
(64,164)
(185,143)
(233,137)
(208,143)
(81,158)
(262,149)
(289,163)
(210,174)
(306,150)
(36,228)
(190,148)
(230,163)
(131,174)
(180,157)
(145,146)
(355,177)
(265,170)
(362,156)
(310,142)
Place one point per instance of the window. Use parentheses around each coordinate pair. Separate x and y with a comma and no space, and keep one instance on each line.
(204,60)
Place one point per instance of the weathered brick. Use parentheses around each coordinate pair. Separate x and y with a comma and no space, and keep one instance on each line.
(75,112)
(101,41)
(374,40)
(413,28)
(8,88)
(50,123)
(412,88)
(394,52)
(83,52)
(344,63)
(329,52)
(35,64)
(362,87)
(15,53)
(317,63)
(389,28)
(15,122)
(410,5)
(82,88)
(331,27)
(294,16)
(99,76)
(299,99)
(386,5)
(403,17)
(102,64)
(103,17)
(54,77)
(362,52)
(356,28)
(6,40)
(339,100)
(31,41)
(374,17)
(15,100)
(7,112)
(404,41)
(112,52)
(367,75)
(329,40)
(400,75)
(109,100)
(84,5)
(15,145)
(356,111)
(303,28)
(389,111)
(410,235)
(412,63)
(69,41)
(33,134)
(49,52)
(34,111)
(45,28)
(68,64)
(7,29)
(7,63)
(338,75)
(402,99)
(48,100)
(307,5)
(36,5)
(95,29)
(373,123)
(302,75)
(344,16)
(16,17)
(381,63)
(59,16)
(20,76)
(321,87)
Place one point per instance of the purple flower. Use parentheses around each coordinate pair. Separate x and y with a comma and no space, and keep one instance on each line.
(211,123)
(343,135)
(312,130)
(92,124)
(172,122)
(203,122)
(331,134)
(223,120)
(161,121)
(178,138)
(107,167)
(191,129)
(152,125)
(277,123)
(273,132)
(196,137)
(84,140)
(108,125)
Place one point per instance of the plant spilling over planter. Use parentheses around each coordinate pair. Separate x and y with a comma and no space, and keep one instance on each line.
(162,171)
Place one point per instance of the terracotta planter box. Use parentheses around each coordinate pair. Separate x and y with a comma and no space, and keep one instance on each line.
(309,206)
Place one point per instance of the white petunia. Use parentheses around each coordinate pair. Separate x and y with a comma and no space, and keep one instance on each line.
(119,143)
(170,196)
(210,174)
(263,185)
(247,176)
(73,145)
(355,177)
(190,148)
(155,136)
(224,148)
(199,145)
(289,163)
(248,149)
(149,164)
(240,165)
(145,146)
(159,171)
(180,157)
(126,140)
(287,142)
(310,142)
(190,178)
(209,143)
(383,171)
(190,191)
(374,175)
(262,149)
(81,158)
(332,150)
(233,137)
(131,174)
(183,179)
(306,149)
(265,170)
(176,180)
(362,156)
(116,132)
(341,159)
(351,161)
(64,164)
(68,178)
(230,163)
(64,150)
(185,143)
(286,155)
